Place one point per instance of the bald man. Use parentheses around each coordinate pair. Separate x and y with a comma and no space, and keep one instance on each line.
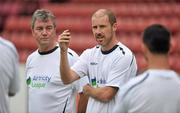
(108,65)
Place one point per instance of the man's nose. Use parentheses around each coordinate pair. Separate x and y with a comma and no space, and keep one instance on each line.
(44,32)
(98,30)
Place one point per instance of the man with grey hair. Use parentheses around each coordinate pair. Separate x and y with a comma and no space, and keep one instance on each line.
(46,91)
(109,65)
(9,71)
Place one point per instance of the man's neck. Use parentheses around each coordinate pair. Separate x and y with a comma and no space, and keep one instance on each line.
(158,62)
(46,48)
(110,45)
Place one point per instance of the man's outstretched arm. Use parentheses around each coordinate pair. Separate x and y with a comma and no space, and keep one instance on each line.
(67,75)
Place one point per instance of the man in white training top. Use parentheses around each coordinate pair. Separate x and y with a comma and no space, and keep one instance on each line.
(157,90)
(9,73)
(109,65)
(46,91)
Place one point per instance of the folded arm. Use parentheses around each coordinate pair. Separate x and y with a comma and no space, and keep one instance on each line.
(103,94)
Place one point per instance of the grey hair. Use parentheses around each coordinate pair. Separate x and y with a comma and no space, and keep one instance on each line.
(44,15)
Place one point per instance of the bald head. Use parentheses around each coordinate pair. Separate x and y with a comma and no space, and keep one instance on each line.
(104,12)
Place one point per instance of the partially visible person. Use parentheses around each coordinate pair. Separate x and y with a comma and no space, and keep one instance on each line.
(82,100)
(46,91)
(109,65)
(9,73)
(157,90)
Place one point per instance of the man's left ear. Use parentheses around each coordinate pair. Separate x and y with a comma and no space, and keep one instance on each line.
(114,26)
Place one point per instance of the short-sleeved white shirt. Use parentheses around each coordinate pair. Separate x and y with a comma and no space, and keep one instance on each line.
(155,91)
(111,68)
(9,73)
(47,93)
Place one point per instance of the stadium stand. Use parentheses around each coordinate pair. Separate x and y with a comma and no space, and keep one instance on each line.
(133,17)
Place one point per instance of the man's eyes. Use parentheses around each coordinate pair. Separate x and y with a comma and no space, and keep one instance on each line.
(47,28)
(39,29)
(101,26)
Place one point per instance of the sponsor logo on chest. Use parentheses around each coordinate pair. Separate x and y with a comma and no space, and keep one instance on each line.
(38,81)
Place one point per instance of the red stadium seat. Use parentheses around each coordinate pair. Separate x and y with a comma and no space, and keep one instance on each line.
(81,42)
(20,24)
(23,54)
(141,62)
(174,62)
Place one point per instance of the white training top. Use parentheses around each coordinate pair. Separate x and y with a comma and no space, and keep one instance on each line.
(9,73)
(111,68)
(155,91)
(47,93)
